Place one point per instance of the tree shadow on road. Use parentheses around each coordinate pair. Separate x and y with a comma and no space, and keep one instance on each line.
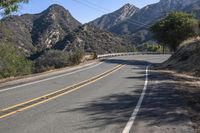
(108,110)
(164,102)
(169,100)
(140,63)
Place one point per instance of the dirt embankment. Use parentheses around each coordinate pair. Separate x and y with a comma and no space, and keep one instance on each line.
(186,59)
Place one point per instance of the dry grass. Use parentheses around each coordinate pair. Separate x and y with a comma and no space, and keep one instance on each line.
(190,40)
(186,59)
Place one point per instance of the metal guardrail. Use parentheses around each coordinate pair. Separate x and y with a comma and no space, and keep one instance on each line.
(128,53)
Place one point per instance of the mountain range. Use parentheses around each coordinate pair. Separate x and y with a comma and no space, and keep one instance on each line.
(136,25)
(56,28)
(32,33)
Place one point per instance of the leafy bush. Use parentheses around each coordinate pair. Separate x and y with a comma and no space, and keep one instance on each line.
(76,56)
(51,59)
(153,48)
(11,63)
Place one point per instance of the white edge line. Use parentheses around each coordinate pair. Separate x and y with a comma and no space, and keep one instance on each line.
(46,79)
(137,108)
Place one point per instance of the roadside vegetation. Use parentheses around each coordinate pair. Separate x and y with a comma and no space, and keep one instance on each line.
(13,64)
(54,59)
(51,59)
(175,28)
(153,47)
(180,32)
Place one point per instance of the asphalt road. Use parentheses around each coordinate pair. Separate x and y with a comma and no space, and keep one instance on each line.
(103,104)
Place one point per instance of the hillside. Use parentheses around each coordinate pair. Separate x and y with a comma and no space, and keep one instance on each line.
(107,21)
(194,8)
(93,39)
(186,59)
(136,27)
(55,28)
(150,14)
(37,32)
(52,25)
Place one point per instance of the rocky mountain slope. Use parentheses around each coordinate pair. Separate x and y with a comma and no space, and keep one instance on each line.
(51,26)
(194,8)
(109,20)
(37,32)
(93,39)
(136,26)
(55,28)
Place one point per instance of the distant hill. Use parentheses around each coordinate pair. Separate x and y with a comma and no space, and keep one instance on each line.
(194,9)
(55,28)
(52,25)
(93,39)
(38,32)
(135,27)
(109,20)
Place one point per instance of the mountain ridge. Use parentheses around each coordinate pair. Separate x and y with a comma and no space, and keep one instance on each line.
(108,20)
(55,28)
(136,26)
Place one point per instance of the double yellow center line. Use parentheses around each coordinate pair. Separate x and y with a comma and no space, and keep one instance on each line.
(45,98)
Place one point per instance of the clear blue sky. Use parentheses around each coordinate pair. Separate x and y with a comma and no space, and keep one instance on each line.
(82,12)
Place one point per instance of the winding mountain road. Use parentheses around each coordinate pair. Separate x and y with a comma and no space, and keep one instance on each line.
(118,95)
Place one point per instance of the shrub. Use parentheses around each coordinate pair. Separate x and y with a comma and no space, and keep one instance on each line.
(11,63)
(153,48)
(51,59)
(76,56)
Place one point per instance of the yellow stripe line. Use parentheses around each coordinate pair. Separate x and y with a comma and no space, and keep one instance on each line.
(56,91)
(25,108)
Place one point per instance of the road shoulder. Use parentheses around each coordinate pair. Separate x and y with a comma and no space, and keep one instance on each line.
(169,105)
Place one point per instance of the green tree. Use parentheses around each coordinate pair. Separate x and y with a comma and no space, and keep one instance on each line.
(9,6)
(174,29)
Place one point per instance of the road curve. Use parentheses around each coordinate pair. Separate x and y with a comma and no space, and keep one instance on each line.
(103,104)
